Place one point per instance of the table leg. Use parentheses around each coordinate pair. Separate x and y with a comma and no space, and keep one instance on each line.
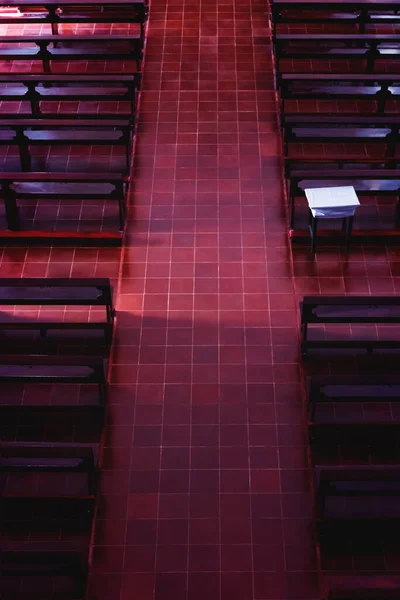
(313,231)
(349,232)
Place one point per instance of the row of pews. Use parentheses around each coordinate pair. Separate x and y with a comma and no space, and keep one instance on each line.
(53,377)
(74,85)
(338,84)
(61,106)
(59,12)
(353,428)
(361,13)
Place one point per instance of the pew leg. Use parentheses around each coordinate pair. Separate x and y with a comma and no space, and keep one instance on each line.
(142,34)
(363,19)
(291,201)
(292,198)
(127,155)
(102,394)
(370,64)
(54,31)
(121,214)
(12,211)
(109,313)
(46,67)
(312,409)
(303,336)
(44,55)
(381,97)
(320,506)
(25,158)
(35,105)
(34,99)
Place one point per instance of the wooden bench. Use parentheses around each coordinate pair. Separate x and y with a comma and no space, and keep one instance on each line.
(64,459)
(370,47)
(354,482)
(57,12)
(38,369)
(335,86)
(348,310)
(51,563)
(337,161)
(57,88)
(365,181)
(330,428)
(79,414)
(52,420)
(42,291)
(361,388)
(342,129)
(16,187)
(360,12)
(379,586)
(48,132)
(48,48)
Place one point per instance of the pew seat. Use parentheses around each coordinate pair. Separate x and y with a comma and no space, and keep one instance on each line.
(27,133)
(328,310)
(53,292)
(37,89)
(35,570)
(20,189)
(48,48)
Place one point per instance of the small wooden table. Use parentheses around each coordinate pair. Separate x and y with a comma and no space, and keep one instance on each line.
(331,203)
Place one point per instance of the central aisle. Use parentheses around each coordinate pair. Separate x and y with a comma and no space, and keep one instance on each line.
(204,486)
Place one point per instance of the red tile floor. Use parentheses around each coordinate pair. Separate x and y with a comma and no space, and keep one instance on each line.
(204,487)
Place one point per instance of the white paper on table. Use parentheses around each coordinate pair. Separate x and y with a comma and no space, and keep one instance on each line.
(332,202)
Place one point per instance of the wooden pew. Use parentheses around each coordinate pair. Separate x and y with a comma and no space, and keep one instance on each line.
(342,129)
(370,47)
(381,586)
(360,13)
(325,310)
(48,132)
(51,563)
(56,291)
(52,369)
(337,161)
(48,48)
(24,494)
(328,428)
(83,421)
(48,291)
(78,415)
(319,86)
(62,186)
(94,88)
(361,482)
(344,389)
(57,12)
(365,181)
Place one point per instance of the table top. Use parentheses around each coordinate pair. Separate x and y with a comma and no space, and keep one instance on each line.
(332,197)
